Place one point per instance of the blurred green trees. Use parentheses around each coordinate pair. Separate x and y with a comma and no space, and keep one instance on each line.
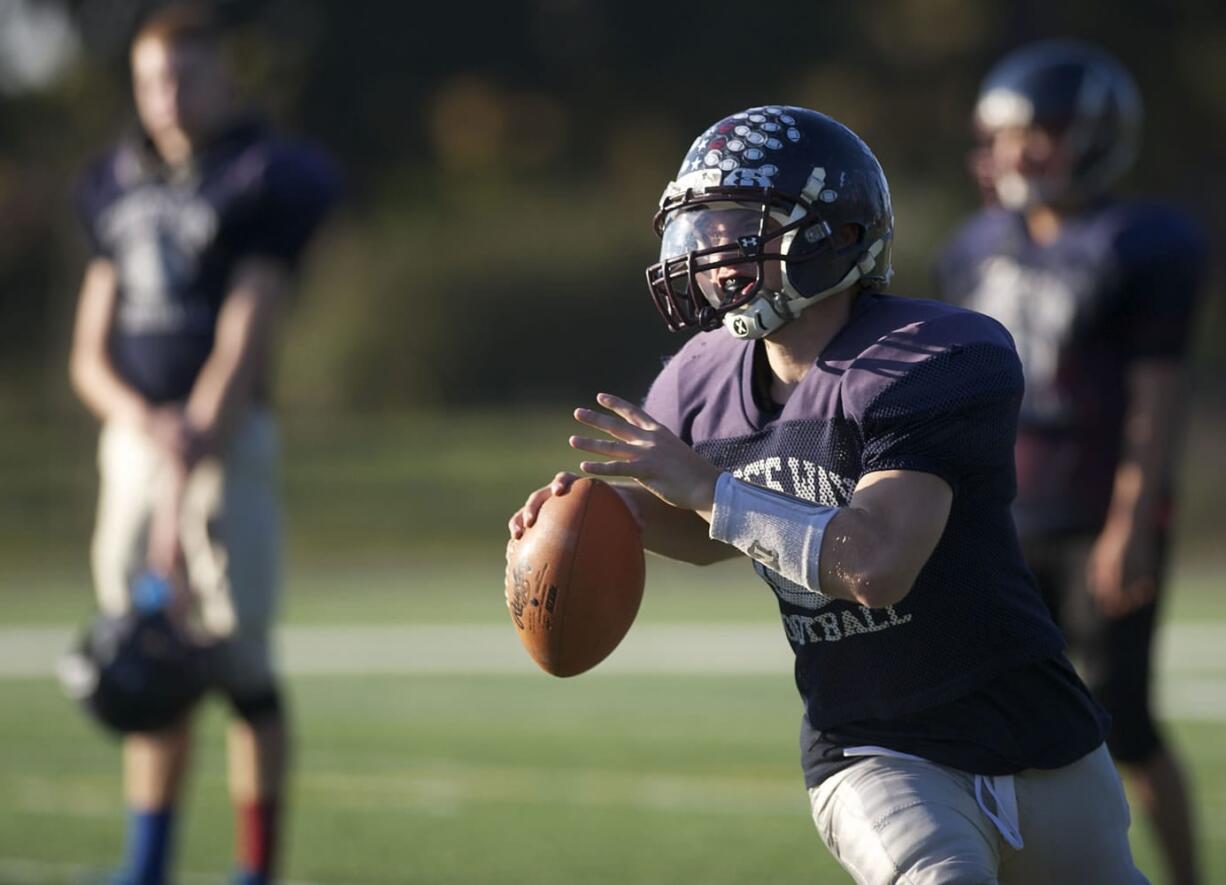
(503,162)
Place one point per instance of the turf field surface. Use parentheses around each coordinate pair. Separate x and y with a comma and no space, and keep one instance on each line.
(673,763)
(434,752)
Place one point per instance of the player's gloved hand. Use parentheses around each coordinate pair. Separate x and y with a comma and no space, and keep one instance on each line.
(649,453)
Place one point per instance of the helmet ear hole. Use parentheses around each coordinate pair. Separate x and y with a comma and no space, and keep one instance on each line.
(848,235)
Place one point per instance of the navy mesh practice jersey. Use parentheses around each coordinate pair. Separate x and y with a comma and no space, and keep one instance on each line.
(175,238)
(968,669)
(1117,285)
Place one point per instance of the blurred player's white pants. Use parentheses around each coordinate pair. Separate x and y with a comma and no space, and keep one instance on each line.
(889,820)
(231,535)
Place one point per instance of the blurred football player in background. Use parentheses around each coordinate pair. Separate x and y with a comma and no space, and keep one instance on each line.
(1098,294)
(196,223)
(858,448)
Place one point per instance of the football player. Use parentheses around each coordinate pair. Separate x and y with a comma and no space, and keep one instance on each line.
(1098,293)
(196,223)
(857,447)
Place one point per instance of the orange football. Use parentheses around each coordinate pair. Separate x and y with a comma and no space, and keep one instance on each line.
(575,578)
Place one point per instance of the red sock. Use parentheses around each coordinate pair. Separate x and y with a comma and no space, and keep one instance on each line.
(257,836)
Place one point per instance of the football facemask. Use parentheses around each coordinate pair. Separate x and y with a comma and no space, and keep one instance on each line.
(714,258)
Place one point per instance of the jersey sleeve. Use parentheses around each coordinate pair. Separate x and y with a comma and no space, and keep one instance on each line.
(663,401)
(952,413)
(89,200)
(299,186)
(955,272)
(948,272)
(1163,270)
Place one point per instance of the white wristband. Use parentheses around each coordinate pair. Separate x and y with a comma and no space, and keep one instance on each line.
(779,531)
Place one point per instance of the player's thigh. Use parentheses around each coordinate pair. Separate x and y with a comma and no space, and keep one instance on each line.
(130,470)
(906,821)
(251,523)
(1074,821)
(1119,671)
(232,531)
(1115,658)
(232,542)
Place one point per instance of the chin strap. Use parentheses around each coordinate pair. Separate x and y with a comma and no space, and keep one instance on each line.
(771,311)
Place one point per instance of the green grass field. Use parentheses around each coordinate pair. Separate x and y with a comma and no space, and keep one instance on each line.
(502,775)
(496,777)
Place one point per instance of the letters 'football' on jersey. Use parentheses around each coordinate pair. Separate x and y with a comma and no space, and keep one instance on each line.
(1117,285)
(175,240)
(906,385)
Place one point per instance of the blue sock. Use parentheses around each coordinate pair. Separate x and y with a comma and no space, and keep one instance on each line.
(147,853)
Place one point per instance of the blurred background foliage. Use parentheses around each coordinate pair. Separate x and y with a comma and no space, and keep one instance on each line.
(503,162)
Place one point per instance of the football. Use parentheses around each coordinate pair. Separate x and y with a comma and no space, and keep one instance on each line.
(574,581)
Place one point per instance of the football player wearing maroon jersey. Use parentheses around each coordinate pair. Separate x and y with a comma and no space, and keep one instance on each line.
(857,447)
(1098,294)
(196,223)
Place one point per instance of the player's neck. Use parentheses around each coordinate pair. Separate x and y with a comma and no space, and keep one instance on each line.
(1045,220)
(792,351)
(178,147)
(1043,223)
(175,148)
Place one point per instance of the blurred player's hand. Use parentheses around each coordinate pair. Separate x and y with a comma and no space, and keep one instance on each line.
(1121,571)
(649,453)
(174,434)
(167,427)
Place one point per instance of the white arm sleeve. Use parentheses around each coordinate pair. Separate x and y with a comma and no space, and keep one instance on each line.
(779,531)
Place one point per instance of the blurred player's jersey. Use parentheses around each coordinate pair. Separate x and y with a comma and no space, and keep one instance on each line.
(1117,285)
(968,669)
(176,236)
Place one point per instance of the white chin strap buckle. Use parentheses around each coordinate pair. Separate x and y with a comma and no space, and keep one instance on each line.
(759,317)
(738,325)
(770,311)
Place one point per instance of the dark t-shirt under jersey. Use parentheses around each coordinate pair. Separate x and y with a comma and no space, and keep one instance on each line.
(968,670)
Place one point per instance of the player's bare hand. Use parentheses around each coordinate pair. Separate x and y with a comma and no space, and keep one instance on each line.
(1121,572)
(525,516)
(173,432)
(167,427)
(648,452)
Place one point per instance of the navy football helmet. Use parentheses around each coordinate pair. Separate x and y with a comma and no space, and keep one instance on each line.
(752,228)
(1079,94)
(136,671)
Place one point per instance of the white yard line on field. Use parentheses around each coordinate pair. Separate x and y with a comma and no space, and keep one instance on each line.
(1192,667)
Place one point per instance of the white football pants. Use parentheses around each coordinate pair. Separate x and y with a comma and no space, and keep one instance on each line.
(913,822)
(231,536)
